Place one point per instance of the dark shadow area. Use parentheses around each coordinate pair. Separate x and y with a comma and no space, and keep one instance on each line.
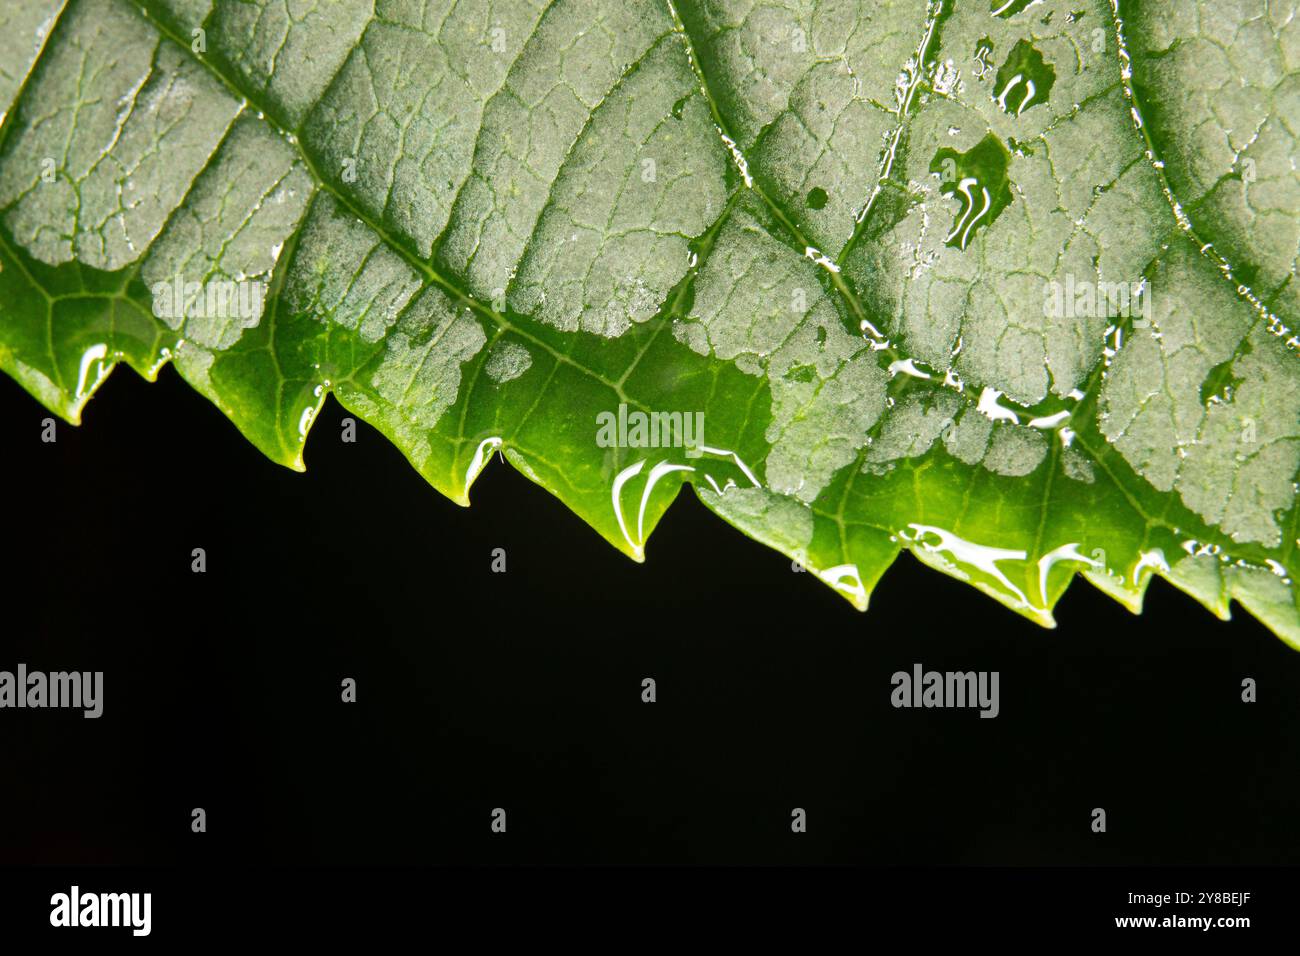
(522,689)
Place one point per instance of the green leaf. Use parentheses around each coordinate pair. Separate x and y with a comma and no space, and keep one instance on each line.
(1007,286)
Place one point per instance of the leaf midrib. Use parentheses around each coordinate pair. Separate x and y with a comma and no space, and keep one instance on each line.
(1157,163)
(432,275)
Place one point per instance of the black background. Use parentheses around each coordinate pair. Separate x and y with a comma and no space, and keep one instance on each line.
(522,690)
